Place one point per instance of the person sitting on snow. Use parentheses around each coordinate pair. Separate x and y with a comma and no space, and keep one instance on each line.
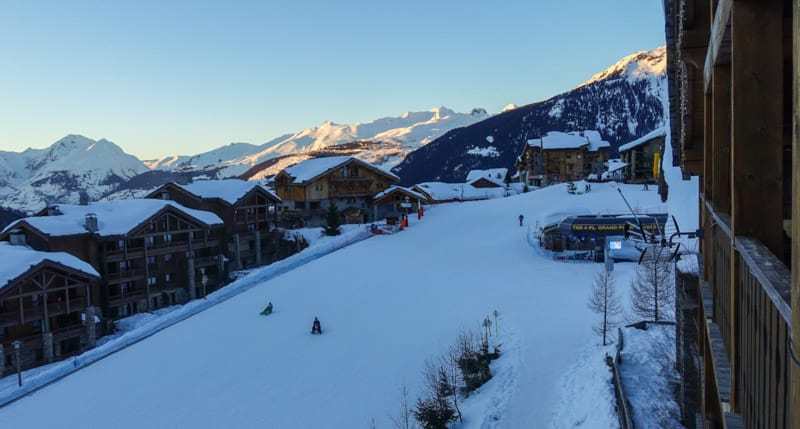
(316,327)
(268,310)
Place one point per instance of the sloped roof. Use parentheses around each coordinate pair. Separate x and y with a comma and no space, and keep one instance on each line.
(113,217)
(496,175)
(310,169)
(400,189)
(17,260)
(228,190)
(440,191)
(658,132)
(558,140)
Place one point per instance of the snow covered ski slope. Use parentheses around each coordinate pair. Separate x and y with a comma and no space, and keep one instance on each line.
(386,305)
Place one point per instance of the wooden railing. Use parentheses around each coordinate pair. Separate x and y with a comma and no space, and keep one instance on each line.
(722,283)
(764,319)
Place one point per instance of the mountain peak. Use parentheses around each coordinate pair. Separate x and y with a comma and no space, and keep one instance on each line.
(634,67)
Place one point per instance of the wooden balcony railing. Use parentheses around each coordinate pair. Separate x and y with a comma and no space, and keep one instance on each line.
(764,321)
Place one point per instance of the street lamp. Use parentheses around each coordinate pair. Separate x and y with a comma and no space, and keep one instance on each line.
(17,345)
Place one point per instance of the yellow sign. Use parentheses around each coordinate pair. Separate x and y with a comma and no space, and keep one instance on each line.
(656,164)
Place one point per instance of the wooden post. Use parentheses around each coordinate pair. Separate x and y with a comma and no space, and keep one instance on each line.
(757,121)
(721,138)
(756,172)
(708,187)
(794,405)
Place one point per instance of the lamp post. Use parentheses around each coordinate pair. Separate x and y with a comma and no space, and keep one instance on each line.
(17,345)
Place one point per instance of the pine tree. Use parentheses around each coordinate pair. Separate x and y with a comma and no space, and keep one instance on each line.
(605,302)
(333,220)
(652,288)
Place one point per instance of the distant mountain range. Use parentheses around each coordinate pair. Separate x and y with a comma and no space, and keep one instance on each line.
(622,102)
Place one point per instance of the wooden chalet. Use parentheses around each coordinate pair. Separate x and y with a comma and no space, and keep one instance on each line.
(643,157)
(562,157)
(47,306)
(734,109)
(491,178)
(150,253)
(310,187)
(249,211)
(395,202)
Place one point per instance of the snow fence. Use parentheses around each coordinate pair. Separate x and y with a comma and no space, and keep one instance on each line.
(64,368)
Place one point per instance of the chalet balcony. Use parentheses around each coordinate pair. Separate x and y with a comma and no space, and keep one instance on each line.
(126,275)
(206,261)
(129,295)
(748,330)
(29,314)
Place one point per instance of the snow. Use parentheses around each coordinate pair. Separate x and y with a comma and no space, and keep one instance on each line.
(17,260)
(229,190)
(492,173)
(490,139)
(558,140)
(313,168)
(635,67)
(648,367)
(396,188)
(113,217)
(488,151)
(230,367)
(658,132)
(509,107)
(442,192)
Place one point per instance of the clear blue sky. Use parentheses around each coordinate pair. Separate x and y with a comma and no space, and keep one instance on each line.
(167,77)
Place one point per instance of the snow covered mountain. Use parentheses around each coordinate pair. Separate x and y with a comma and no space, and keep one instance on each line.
(61,172)
(622,102)
(407,132)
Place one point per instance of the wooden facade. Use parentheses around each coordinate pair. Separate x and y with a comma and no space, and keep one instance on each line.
(731,72)
(349,184)
(643,161)
(395,202)
(250,239)
(168,258)
(50,309)
(539,167)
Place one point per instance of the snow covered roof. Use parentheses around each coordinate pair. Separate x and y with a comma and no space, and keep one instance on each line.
(658,132)
(228,190)
(17,260)
(393,189)
(310,169)
(497,175)
(440,191)
(558,140)
(113,217)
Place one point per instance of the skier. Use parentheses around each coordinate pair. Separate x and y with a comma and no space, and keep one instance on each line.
(316,327)
(268,310)
(521,219)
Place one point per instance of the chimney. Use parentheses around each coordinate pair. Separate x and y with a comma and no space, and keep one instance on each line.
(91,222)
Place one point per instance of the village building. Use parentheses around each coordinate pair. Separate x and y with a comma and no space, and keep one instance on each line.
(562,157)
(491,178)
(309,188)
(643,157)
(150,253)
(249,211)
(47,306)
(733,77)
(442,192)
(395,202)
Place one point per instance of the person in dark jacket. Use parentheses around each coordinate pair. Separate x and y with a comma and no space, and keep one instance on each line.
(316,327)
(521,219)
(268,310)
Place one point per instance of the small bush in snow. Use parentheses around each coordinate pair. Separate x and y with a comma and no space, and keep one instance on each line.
(333,221)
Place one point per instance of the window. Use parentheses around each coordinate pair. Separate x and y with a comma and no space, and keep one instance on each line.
(167,257)
(151,281)
(168,277)
(165,195)
(318,187)
(251,227)
(152,226)
(315,205)
(151,260)
(123,265)
(167,238)
(120,244)
(149,241)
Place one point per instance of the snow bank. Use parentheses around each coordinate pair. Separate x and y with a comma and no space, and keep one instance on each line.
(144,325)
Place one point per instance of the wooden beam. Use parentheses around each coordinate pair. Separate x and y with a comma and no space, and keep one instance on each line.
(721,138)
(794,404)
(757,121)
(719,44)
